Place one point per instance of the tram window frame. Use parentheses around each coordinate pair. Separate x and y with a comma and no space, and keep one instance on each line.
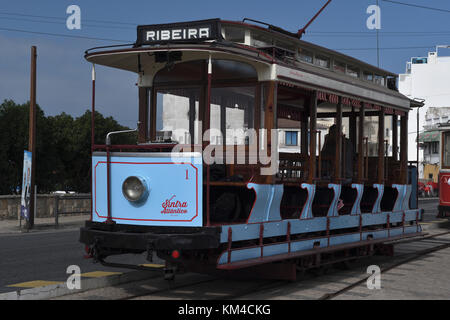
(159,109)
(259,40)
(233,29)
(371,132)
(319,57)
(445,150)
(339,67)
(305,56)
(229,73)
(352,71)
(368,76)
(379,79)
(249,114)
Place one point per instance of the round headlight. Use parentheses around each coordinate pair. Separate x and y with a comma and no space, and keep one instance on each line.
(134,189)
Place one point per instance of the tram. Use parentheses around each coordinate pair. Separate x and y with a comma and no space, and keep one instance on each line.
(257,152)
(444,173)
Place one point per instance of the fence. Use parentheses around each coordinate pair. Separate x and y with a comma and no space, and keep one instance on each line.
(47,206)
(78,208)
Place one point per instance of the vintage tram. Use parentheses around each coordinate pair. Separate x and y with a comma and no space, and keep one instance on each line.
(444,172)
(256,151)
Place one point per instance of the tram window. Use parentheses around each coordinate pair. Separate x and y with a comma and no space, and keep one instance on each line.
(285,45)
(446,149)
(346,127)
(234,34)
(388,134)
(367,76)
(259,40)
(353,71)
(305,55)
(379,80)
(177,115)
(339,66)
(232,114)
(322,61)
(371,131)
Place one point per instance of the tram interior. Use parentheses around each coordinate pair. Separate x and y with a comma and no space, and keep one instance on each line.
(241,106)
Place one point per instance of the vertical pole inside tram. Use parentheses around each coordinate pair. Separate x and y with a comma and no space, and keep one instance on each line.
(208,110)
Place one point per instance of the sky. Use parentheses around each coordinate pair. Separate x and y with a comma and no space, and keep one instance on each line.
(64,76)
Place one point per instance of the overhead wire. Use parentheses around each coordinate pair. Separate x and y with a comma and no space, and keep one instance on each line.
(63,23)
(64,19)
(62,35)
(417,6)
(312,33)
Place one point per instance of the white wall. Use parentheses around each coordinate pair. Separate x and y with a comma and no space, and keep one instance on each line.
(430,81)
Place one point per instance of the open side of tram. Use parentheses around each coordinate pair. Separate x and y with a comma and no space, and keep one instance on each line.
(255,150)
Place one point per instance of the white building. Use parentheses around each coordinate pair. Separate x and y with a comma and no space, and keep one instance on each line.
(426,78)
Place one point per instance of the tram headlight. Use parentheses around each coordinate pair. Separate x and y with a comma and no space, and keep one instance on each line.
(134,189)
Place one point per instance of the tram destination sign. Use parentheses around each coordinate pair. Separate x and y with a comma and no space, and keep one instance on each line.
(195,31)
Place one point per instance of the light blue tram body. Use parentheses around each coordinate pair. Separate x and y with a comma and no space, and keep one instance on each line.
(178,177)
(170,178)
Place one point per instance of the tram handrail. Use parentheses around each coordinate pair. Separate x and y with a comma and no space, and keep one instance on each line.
(366,159)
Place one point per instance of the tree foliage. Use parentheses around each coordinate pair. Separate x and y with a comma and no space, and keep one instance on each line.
(63,147)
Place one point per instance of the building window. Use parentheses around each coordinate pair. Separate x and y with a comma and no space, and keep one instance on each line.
(435,147)
(291,138)
(419,60)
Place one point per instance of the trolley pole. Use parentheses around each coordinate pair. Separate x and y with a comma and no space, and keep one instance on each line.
(32,135)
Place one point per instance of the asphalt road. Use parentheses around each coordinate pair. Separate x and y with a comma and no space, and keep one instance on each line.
(45,255)
(430,208)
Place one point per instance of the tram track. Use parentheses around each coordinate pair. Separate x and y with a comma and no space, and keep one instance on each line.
(309,286)
(247,290)
(440,245)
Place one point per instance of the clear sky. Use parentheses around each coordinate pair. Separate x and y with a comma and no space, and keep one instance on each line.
(64,75)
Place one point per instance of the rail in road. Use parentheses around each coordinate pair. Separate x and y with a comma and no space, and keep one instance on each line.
(324,283)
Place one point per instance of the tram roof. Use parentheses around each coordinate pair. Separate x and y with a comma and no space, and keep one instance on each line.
(248,43)
(277,34)
(258,37)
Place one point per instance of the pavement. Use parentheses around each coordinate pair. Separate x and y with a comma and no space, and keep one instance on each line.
(34,264)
